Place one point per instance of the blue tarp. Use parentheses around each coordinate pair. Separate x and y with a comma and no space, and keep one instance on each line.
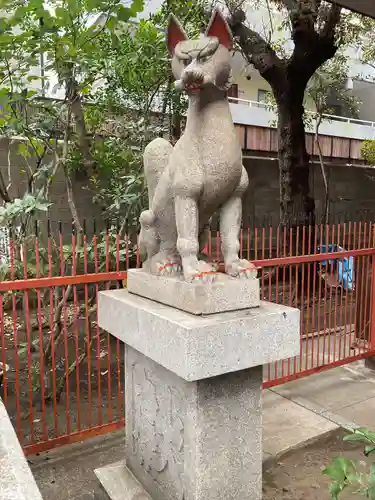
(345,267)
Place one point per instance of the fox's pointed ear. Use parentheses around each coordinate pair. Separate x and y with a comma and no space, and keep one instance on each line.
(219,27)
(175,34)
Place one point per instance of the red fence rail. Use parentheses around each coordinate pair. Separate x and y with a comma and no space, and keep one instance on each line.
(63,376)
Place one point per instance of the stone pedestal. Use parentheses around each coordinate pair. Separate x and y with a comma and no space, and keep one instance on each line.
(193,397)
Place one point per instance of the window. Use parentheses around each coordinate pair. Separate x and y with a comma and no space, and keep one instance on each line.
(263,95)
(233,92)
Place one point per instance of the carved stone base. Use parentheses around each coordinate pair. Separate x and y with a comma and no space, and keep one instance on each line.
(193,440)
(224,294)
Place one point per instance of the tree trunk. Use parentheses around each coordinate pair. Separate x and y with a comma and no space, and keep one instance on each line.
(294,161)
(74,101)
(297,207)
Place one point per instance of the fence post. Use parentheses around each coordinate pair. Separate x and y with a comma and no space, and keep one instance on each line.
(370,362)
(372,313)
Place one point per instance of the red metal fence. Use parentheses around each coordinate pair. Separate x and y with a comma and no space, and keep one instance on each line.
(63,376)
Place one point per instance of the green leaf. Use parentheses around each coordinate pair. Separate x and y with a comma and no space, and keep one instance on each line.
(347,466)
(335,489)
(137,6)
(371,476)
(371,492)
(369,450)
(22,351)
(334,472)
(361,434)
(124,13)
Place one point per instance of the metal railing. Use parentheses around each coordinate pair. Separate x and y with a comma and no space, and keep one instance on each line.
(63,377)
(342,119)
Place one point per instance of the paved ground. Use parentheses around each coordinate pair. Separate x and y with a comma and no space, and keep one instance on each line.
(302,410)
(293,414)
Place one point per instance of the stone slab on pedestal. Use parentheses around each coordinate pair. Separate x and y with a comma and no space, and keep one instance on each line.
(224,294)
(198,347)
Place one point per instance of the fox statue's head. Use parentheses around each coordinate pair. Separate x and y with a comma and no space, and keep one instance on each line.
(204,62)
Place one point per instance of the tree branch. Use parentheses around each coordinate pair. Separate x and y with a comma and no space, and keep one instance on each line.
(256,50)
(3,190)
(333,19)
(313,48)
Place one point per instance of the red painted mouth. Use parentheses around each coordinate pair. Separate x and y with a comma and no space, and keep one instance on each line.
(193,88)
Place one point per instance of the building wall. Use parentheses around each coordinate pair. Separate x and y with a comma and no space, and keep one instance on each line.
(351,192)
(59,210)
(249,82)
(365,92)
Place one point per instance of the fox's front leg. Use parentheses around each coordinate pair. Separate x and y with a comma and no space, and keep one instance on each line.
(230,227)
(187,220)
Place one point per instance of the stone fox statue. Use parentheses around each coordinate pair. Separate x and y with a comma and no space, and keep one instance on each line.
(203,172)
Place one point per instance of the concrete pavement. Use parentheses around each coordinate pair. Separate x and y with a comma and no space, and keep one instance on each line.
(303,410)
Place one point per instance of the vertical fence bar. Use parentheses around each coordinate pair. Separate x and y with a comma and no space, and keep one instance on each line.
(76,311)
(98,336)
(41,337)
(366,329)
(109,381)
(361,298)
(343,292)
(347,305)
(319,268)
(15,339)
(335,325)
(353,302)
(50,352)
(88,336)
(372,314)
(313,299)
(270,273)
(330,266)
(326,243)
(62,311)
(30,368)
(3,352)
(118,351)
(307,308)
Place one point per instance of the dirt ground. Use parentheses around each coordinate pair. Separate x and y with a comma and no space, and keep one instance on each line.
(297,475)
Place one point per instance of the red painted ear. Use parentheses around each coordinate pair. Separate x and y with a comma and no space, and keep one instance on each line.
(218,27)
(176,33)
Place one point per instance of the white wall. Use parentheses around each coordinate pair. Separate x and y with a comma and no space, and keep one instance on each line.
(251,115)
(365,91)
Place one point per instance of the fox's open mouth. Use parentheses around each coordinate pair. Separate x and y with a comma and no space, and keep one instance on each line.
(193,87)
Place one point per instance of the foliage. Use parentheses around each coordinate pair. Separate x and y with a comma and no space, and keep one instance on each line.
(71,36)
(330,83)
(13,211)
(346,474)
(138,84)
(67,33)
(368,151)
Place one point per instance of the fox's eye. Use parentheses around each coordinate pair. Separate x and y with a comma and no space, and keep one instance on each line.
(203,59)
(186,62)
